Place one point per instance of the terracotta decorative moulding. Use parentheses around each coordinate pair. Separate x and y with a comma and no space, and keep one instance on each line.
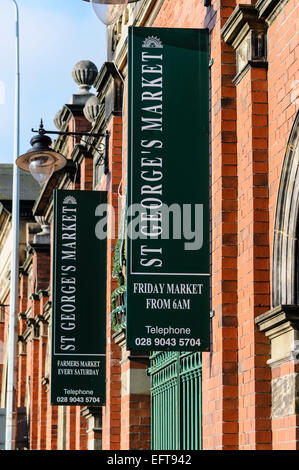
(281,326)
(270,9)
(246,32)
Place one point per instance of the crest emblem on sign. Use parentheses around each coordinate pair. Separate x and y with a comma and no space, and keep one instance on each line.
(152,42)
(69,200)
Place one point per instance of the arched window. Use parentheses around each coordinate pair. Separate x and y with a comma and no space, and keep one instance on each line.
(285,272)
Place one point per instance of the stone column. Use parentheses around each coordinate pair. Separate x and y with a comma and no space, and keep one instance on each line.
(281,326)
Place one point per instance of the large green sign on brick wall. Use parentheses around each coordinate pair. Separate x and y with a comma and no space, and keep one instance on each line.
(79,300)
(168,246)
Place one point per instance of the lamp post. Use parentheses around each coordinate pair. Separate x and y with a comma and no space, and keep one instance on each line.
(14,276)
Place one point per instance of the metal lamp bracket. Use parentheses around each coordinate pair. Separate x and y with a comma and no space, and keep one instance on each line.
(103,160)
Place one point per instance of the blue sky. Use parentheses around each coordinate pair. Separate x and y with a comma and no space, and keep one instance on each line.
(54,36)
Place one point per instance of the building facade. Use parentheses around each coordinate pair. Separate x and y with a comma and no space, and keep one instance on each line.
(28,192)
(243,393)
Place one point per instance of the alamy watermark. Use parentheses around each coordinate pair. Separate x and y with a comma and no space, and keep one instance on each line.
(156,221)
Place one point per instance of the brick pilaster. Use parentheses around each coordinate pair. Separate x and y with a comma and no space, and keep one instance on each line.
(253,260)
(111,411)
(71,430)
(42,392)
(33,373)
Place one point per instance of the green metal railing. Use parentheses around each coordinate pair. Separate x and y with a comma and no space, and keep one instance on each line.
(176,400)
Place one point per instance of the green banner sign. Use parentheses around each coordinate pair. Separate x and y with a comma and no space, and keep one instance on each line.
(168,246)
(79,300)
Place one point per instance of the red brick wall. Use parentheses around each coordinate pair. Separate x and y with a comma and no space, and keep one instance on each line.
(21,358)
(283,55)
(42,393)
(253,260)
(71,431)
(32,371)
(220,391)
(135,409)
(136,422)
(111,411)
(236,377)
(52,426)
(81,427)
(245,178)
(77,124)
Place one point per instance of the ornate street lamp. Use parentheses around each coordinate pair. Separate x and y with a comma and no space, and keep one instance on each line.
(42,160)
(108,11)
